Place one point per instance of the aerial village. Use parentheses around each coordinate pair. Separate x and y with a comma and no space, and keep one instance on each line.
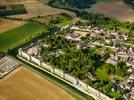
(89,37)
(84,37)
(66,50)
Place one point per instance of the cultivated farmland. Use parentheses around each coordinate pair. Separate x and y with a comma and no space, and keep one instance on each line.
(116,9)
(33,7)
(61,19)
(40,9)
(6,24)
(23,84)
(17,1)
(37,9)
(20,35)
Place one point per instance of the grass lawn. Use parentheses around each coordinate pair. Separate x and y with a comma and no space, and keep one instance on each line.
(102,74)
(15,37)
(64,22)
(116,94)
(58,19)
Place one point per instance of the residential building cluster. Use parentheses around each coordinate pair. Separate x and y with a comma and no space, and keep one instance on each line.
(128,85)
(124,52)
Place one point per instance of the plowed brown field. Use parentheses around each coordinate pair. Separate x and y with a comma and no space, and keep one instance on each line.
(117,9)
(23,84)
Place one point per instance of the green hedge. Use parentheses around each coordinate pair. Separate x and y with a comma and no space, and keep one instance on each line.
(130,2)
(13,9)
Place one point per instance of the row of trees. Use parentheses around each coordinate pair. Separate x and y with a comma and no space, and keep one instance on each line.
(104,22)
(13,10)
(72,4)
(130,2)
(79,3)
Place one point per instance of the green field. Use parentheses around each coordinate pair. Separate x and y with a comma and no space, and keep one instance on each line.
(15,37)
(62,19)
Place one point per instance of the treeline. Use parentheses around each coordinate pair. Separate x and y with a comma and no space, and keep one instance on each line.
(79,3)
(130,2)
(13,9)
(71,4)
(101,21)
